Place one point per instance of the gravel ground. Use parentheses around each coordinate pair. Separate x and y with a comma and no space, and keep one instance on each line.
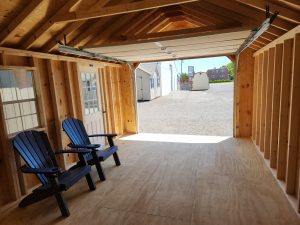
(190,112)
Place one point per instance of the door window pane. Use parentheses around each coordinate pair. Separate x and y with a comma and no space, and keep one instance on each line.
(89,87)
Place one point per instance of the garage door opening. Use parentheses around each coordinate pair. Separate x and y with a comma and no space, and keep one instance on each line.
(190,97)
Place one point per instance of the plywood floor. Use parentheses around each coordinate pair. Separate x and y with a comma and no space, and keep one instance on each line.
(163,183)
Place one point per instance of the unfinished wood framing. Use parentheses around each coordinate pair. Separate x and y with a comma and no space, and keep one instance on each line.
(244,91)
(266,89)
(58,85)
(280,142)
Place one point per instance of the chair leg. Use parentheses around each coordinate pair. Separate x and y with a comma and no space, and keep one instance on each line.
(90,182)
(100,171)
(59,198)
(116,158)
(98,166)
(62,204)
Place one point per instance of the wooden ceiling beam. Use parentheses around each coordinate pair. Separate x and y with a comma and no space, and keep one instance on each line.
(9,30)
(197,16)
(150,23)
(284,12)
(114,26)
(47,25)
(226,14)
(117,10)
(208,17)
(88,33)
(139,24)
(251,12)
(162,22)
(53,43)
(140,21)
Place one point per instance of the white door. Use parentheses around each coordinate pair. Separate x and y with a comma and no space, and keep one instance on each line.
(91,102)
(139,87)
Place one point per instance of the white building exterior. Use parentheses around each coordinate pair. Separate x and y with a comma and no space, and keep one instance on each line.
(155,79)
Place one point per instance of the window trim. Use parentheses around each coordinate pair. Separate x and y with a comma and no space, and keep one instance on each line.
(35,99)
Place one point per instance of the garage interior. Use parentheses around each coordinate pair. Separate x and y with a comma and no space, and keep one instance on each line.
(252,178)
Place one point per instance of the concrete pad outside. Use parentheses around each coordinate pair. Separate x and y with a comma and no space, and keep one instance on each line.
(190,112)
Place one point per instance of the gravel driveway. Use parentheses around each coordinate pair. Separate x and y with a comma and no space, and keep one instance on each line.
(190,112)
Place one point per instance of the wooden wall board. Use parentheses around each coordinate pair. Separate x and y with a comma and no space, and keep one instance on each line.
(284,108)
(263,99)
(294,121)
(259,78)
(245,93)
(268,111)
(255,90)
(276,105)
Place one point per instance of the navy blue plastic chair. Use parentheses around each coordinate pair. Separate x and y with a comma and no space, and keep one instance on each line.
(75,130)
(35,149)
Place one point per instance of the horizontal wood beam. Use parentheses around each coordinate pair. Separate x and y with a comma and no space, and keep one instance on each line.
(117,10)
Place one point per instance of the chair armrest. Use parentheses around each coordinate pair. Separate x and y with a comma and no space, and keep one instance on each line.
(49,171)
(88,146)
(103,135)
(76,151)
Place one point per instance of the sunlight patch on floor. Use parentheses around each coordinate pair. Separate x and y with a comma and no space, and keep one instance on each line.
(177,138)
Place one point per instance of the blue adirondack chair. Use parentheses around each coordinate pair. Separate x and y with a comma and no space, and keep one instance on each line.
(35,149)
(75,130)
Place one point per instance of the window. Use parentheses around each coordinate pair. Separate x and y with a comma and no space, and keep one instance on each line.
(151,82)
(18,100)
(90,99)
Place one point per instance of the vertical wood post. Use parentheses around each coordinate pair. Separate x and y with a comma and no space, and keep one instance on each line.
(276,105)
(284,108)
(244,94)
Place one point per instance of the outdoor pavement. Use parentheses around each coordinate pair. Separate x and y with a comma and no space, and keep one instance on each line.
(190,112)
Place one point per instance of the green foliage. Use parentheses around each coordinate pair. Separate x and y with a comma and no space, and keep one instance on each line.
(184,77)
(219,81)
(230,67)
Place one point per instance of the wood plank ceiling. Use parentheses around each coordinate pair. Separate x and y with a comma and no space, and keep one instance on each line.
(40,25)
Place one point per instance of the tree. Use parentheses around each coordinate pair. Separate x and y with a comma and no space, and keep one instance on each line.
(230,67)
(184,77)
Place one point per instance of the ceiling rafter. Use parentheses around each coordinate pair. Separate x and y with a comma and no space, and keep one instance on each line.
(113,26)
(162,22)
(93,29)
(140,24)
(206,15)
(251,12)
(198,16)
(89,32)
(9,30)
(53,43)
(151,23)
(117,9)
(284,13)
(226,14)
(47,25)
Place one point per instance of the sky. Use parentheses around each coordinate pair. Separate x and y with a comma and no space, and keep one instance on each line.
(201,65)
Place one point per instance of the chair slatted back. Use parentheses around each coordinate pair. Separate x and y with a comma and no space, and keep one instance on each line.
(36,151)
(75,130)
